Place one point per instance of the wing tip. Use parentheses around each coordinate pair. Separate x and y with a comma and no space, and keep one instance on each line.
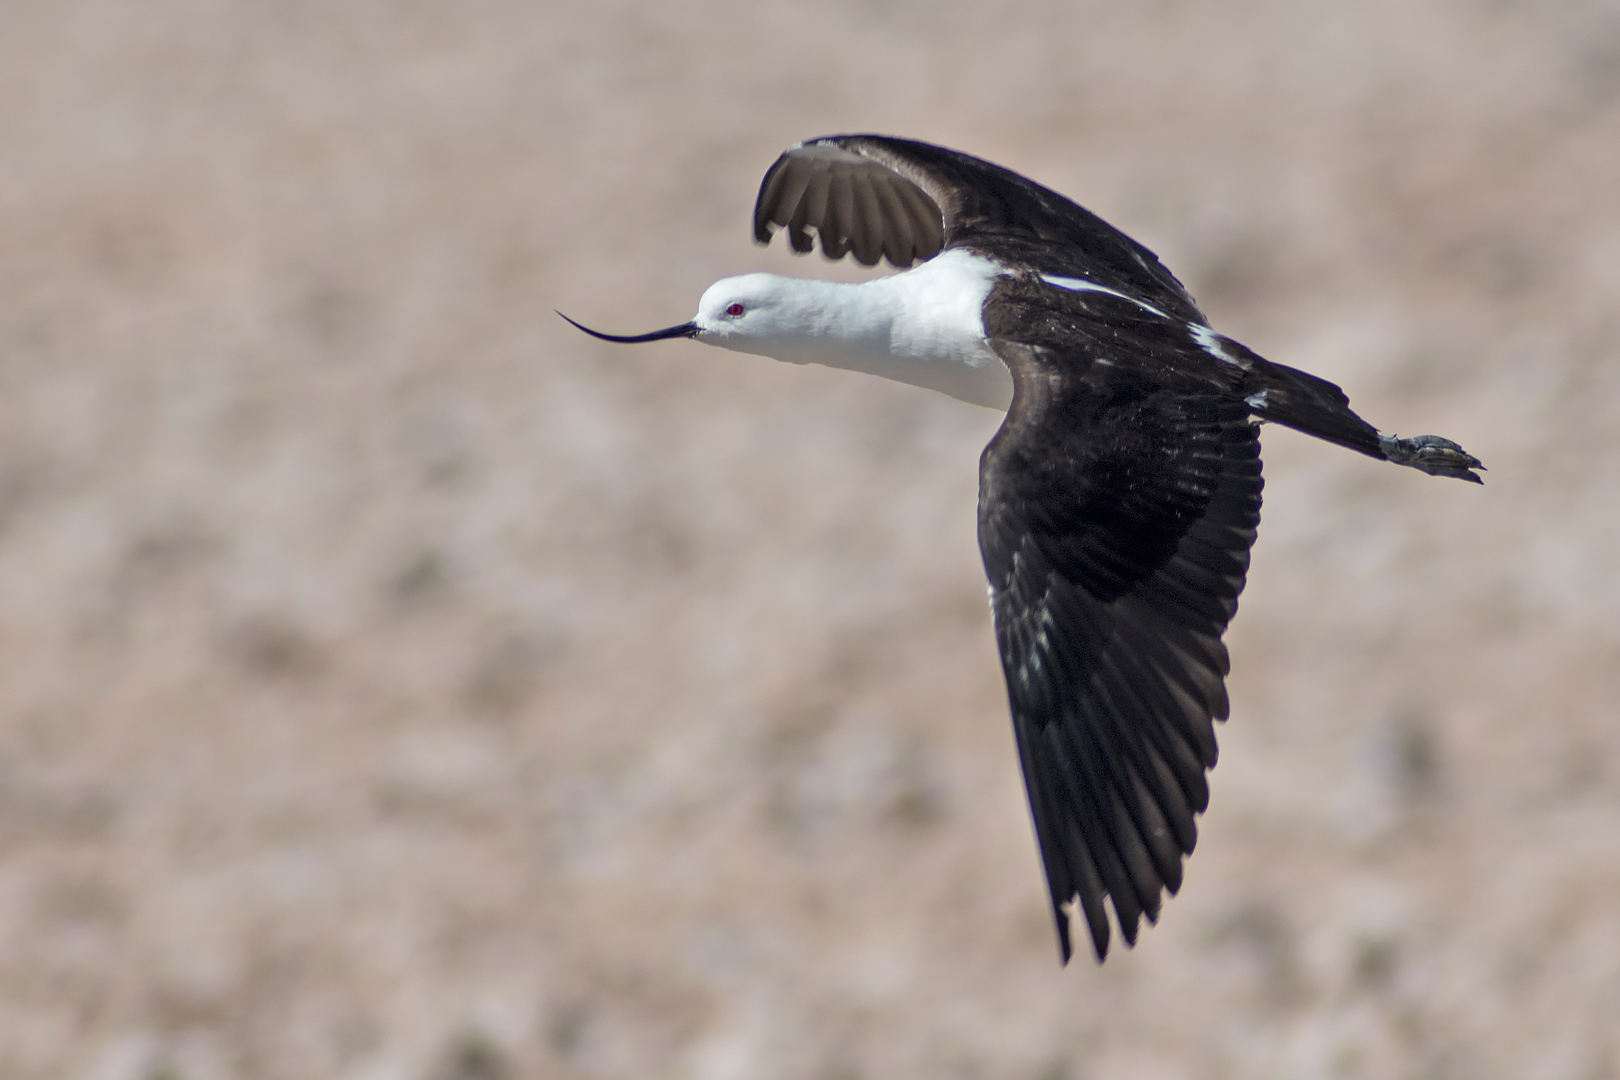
(1064,915)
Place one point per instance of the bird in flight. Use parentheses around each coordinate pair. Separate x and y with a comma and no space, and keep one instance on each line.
(1117,502)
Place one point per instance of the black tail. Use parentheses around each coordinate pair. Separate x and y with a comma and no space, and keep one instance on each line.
(1315,406)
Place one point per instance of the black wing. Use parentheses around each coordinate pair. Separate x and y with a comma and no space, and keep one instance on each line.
(905,200)
(1117,506)
(853,202)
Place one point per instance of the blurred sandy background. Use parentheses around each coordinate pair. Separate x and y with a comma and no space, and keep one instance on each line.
(397,685)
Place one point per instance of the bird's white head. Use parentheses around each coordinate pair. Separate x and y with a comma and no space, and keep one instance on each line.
(761,313)
(765,314)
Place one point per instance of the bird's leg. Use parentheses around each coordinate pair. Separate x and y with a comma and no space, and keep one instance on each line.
(1431,454)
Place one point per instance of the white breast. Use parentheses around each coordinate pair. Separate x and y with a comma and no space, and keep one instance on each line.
(937,337)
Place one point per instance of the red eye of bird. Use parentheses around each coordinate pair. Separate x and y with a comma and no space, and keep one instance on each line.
(734,310)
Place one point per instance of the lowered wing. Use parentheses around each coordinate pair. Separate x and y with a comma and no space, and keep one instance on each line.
(1116,513)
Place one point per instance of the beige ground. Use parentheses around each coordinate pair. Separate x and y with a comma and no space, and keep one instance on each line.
(397,685)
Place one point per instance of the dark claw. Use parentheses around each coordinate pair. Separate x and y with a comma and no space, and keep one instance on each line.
(1433,455)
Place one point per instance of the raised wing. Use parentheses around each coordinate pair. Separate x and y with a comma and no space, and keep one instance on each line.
(1116,513)
(903,200)
(853,202)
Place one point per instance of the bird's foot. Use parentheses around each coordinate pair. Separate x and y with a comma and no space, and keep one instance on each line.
(1433,455)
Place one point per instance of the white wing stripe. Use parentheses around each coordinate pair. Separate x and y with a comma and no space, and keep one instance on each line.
(1211,341)
(1075,284)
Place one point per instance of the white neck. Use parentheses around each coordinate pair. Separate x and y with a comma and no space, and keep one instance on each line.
(924,327)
